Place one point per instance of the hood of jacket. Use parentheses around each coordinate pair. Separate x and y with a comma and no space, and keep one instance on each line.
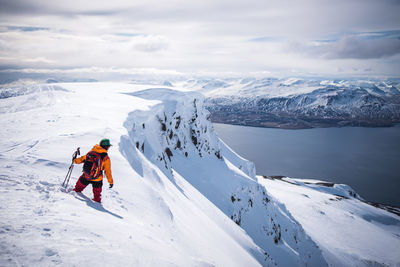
(98,149)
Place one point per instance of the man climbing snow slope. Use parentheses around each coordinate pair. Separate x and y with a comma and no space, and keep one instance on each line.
(95,162)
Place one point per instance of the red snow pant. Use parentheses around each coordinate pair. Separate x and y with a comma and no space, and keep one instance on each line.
(97,186)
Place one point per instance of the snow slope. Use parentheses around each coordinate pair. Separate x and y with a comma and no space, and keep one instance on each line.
(181,196)
(144,220)
(177,137)
(349,231)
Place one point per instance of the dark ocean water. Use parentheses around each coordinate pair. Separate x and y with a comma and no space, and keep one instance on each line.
(367,159)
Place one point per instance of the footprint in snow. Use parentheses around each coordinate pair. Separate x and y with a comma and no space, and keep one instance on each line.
(50,252)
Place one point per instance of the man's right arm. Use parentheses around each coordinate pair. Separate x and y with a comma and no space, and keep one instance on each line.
(80,159)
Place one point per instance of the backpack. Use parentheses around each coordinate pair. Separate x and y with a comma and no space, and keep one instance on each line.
(92,165)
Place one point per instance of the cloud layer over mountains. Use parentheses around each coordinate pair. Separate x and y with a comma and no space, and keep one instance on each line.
(290,37)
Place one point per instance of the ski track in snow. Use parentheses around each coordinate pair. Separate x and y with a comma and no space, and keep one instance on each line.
(164,210)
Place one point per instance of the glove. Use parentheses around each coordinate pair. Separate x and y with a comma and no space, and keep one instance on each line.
(76,154)
(111,185)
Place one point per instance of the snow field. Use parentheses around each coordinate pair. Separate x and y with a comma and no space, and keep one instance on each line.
(143,220)
(181,196)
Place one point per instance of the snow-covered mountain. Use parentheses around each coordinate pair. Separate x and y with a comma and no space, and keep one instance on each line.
(301,103)
(182,197)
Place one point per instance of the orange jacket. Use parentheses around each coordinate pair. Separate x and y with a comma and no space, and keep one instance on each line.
(105,165)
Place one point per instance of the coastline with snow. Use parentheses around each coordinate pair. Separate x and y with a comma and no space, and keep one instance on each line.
(182,197)
(297,103)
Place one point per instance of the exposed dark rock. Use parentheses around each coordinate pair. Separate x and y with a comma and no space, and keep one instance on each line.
(194,140)
(169,153)
(178,122)
(274,177)
(327,184)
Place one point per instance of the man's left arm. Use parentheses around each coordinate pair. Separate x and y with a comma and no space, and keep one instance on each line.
(107,170)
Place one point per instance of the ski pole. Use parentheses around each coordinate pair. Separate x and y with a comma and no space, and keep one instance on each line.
(66,180)
(71,167)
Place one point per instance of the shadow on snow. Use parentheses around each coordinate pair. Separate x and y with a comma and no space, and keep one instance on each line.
(95,205)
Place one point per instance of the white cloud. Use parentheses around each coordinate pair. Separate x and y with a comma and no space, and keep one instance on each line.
(195,36)
(349,47)
(150,43)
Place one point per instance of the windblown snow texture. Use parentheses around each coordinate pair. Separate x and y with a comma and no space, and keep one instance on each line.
(181,196)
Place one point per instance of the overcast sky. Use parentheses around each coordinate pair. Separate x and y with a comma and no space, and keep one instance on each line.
(279,37)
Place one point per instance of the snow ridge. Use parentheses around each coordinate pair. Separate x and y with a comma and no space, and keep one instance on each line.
(178,137)
(177,125)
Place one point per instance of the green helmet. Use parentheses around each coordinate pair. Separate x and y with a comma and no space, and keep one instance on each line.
(105,142)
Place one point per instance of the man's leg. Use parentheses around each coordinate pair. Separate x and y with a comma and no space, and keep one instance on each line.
(97,187)
(81,184)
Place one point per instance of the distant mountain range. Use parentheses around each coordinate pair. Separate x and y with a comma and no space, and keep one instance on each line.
(301,103)
(291,103)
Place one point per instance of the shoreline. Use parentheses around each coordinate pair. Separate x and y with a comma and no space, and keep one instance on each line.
(301,126)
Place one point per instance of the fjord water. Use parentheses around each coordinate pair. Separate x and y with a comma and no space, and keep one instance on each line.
(367,159)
